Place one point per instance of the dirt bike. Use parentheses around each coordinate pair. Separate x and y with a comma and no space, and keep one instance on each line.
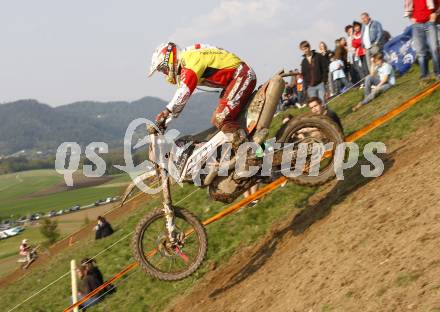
(25,261)
(170,243)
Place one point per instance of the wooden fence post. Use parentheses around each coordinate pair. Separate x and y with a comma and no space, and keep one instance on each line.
(74,284)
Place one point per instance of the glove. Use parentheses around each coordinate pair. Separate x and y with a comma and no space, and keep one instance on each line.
(162,117)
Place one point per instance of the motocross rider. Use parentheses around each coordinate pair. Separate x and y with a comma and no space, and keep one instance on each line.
(204,65)
(25,250)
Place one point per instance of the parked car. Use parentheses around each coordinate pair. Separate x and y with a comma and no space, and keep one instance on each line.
(3,235)
(67,210)
(99,202)
(34,217)
(51,214)
(75,208)
(60,212)
(22,219)
(4,227)
(14,231)
(5,224)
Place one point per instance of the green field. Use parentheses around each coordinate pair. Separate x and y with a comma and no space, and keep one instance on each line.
(16,190)
(15,201)
(138,292)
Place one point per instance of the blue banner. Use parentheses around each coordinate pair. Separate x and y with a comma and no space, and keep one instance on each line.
(399,51)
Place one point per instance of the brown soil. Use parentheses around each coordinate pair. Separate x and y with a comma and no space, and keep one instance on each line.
(359,245)
(79,181)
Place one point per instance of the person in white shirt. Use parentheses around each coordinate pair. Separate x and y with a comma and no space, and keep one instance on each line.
(336,69)
(381,79)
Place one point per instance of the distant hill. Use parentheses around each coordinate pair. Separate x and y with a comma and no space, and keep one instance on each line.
(31,125)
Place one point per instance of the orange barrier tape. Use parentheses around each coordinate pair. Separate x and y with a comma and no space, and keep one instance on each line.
(260,193)
(393,113)
(277,183)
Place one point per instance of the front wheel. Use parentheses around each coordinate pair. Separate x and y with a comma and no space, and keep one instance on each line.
(165,260)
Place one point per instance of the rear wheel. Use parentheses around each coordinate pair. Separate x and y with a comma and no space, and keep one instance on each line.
(163,260)
(310,129)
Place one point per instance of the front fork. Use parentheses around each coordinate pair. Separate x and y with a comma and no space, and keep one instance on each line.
(168,207)
(160,159)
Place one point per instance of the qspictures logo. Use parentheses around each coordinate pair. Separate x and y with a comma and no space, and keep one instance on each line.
(186,160)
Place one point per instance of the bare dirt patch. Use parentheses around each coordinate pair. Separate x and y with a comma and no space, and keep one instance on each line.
(359,245)
(79,181)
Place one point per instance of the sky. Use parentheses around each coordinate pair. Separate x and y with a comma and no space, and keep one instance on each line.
(59,52)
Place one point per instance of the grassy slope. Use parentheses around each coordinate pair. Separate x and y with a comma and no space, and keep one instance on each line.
(14,188)
(140,293)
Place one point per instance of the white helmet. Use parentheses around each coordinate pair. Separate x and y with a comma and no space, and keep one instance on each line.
(166,59)
(24,241)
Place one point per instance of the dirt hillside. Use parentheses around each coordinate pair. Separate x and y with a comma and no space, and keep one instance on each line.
(359,245)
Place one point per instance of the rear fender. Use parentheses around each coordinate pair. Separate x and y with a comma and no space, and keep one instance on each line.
(263,105)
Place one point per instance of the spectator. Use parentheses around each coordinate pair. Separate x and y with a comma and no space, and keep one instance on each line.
(288,97)
(423,15)
(323,50)
(343,43)
(314,71)
(386,37)
(92,269)
(351,52)
(336,68)
(372,37)
(299,81)
(381,78)
(315,105)
(103,228)
(360,62)
(296,85)
(438,21)
(337,43)
(342,53)
(87,282)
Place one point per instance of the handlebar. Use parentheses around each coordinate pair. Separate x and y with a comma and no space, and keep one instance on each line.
(155,128)
(289,74)
(162,126)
